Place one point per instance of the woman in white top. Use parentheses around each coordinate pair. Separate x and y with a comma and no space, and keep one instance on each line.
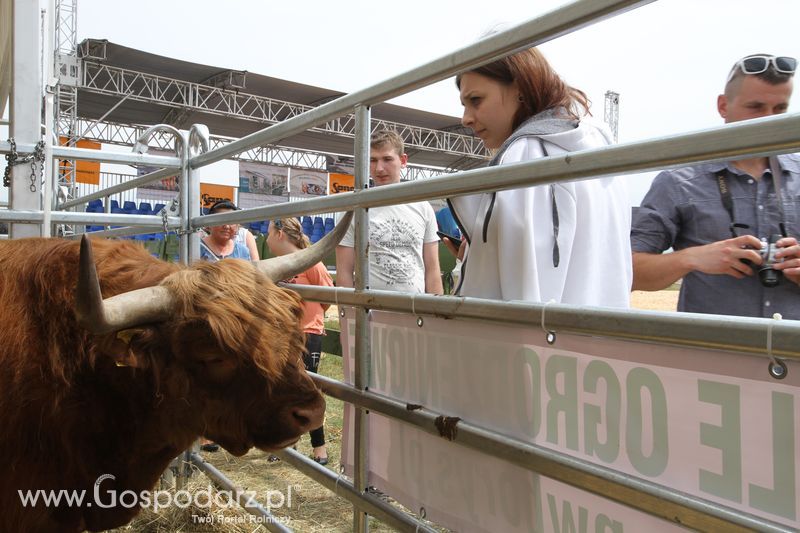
(568,242)
(245,237)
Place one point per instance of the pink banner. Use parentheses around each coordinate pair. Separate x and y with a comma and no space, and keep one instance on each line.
(708,423)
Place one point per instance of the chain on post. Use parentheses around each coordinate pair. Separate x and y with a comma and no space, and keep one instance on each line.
(13,159)
(38,155)
(173,209)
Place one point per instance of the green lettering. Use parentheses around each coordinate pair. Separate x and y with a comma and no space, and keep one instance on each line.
(602,523)
(526,394)
(562,402)
(567,522)
(782,499)
(726,437)
(378,342)
(654,464)
(396,360)
(607,451)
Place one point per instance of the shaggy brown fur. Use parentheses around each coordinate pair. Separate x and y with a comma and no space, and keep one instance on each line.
(226,366)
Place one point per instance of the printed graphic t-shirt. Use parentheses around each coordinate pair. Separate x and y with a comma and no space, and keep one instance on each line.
(396,236)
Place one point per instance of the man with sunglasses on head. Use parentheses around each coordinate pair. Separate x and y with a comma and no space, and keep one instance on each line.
(717,216)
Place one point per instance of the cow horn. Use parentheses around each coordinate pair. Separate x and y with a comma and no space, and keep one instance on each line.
(286,266)
(126,310)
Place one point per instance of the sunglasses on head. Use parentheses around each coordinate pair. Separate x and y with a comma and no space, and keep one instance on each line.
(760,63)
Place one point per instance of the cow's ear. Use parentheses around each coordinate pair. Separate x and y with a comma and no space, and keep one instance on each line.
(119,348)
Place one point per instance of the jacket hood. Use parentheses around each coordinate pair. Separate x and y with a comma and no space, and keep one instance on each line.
(555,127)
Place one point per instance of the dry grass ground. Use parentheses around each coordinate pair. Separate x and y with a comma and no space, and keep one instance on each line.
(666,300)
(313,508)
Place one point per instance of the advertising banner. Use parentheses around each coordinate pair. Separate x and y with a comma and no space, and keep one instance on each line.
(708,423)
(341,164)
(341,183)
(260,178)
(164,184)
(85,171)
(211,193)
(307,183)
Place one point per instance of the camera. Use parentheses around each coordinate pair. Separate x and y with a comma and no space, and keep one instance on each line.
(768,276)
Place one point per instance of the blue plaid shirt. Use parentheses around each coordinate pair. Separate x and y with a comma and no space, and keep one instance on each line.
(683,208)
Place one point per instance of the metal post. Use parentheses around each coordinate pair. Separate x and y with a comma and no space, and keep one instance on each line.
(183,198)
(192,187)
(362,344)
(107,208)
(49,183)
(26,111)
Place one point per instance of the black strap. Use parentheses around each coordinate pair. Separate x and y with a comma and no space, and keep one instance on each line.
(556,254)
(725,194)
(488,216)
(727,198)
(554,207)
(777,180)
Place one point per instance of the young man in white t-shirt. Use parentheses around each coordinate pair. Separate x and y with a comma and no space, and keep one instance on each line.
(403,245)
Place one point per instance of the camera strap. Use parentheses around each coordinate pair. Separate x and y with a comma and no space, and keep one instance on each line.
(777,182)
(727,198)
(725,194)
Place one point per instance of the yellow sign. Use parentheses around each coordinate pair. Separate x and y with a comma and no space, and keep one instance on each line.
(210,193)
(341,183)
(86,171)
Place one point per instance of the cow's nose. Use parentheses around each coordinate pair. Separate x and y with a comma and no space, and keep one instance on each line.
(309,418)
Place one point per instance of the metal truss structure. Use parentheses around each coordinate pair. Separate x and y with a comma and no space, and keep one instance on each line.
(83,70)
(67,70)
(179,94)
(125,135)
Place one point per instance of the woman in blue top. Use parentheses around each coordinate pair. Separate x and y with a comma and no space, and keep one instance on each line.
(221,243)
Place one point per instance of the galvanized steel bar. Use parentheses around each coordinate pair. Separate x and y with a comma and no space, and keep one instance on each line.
(192,186)
(242,498)
(128,185)
(663,502)
(85,154)
(780,134)
(22,148)
(183,197)
(559,22)
(125,231)
(362,336)
(721,332)
(386,513)
(49,179)
(69,217)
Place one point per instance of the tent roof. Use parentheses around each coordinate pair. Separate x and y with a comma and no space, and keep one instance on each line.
(92,105)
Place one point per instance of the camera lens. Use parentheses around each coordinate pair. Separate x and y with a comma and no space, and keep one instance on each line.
(769,277)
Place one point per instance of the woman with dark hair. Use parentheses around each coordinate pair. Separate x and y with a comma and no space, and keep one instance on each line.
(220,243)
(567,242)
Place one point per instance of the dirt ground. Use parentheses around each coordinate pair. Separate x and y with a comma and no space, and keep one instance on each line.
(666,300)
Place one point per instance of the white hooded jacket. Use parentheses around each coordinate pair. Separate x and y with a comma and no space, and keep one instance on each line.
(511,233)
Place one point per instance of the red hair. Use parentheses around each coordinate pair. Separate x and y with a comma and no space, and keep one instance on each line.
(540,86)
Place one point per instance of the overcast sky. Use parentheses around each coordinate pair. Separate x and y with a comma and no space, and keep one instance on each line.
(668,60)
